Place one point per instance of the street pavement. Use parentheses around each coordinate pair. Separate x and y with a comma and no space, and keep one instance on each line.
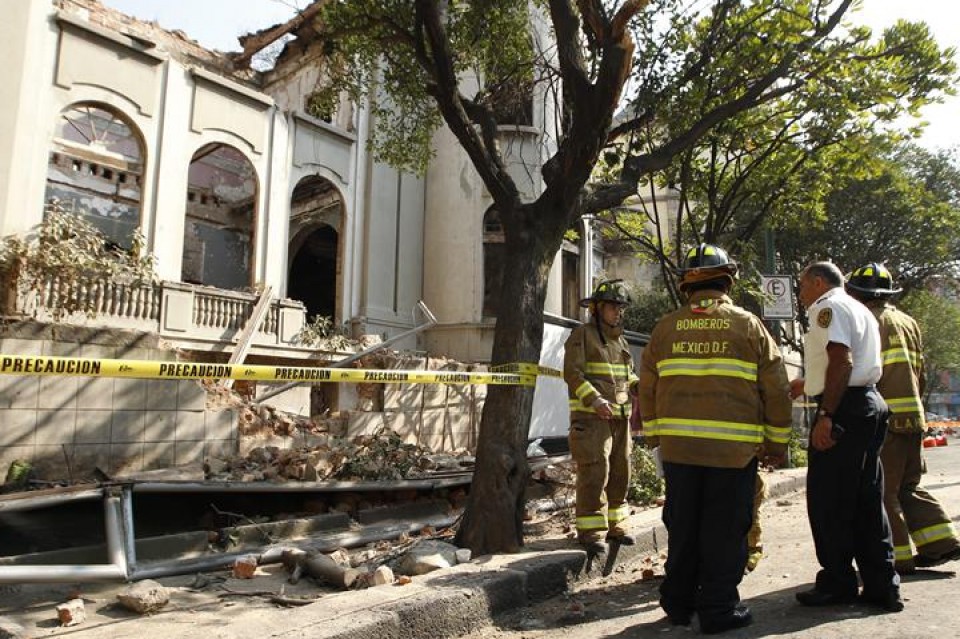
(543,593)
(627,608)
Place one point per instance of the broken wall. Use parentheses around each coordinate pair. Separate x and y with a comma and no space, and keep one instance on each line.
(441,417)
(67,426)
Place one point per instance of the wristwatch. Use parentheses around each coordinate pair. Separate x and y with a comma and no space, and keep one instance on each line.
(823,412)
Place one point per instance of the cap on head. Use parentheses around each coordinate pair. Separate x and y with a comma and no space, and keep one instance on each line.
(706,262)
(614,291)
(872,279)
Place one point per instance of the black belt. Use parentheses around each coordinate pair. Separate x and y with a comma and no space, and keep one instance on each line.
(852,389)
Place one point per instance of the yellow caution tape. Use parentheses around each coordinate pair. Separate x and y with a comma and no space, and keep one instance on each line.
(527,369)
(142,369)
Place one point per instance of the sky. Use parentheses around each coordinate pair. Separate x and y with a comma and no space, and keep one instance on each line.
(216,24)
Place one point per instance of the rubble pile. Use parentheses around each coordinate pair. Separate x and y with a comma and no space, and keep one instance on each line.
(382,456)
(263,419)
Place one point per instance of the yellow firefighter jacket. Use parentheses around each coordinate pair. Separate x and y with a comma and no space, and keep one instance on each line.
(597,362)
(903,380)
(712,385)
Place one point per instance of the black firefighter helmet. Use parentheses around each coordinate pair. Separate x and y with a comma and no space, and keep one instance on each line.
(706,262)
(872,279)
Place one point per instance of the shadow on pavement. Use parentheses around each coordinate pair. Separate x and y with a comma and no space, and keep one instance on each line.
(927,574)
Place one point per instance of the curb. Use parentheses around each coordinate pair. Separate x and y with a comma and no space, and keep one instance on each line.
(448,603)
(467,597)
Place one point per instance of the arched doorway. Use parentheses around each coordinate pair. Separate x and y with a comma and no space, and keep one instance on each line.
(220,218)
(316,221)
(95,170)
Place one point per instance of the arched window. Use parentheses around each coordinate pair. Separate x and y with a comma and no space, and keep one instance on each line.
(316,222)
(95,170)
(221,209)
(493,256)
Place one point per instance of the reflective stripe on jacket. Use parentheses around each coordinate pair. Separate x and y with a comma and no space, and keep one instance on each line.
(902,383)
(595,366)
(713,386)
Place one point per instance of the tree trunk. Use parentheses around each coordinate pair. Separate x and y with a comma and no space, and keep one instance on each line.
(493,521)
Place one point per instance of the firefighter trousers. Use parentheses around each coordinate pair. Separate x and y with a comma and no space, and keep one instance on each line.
(601,450)
(913,512)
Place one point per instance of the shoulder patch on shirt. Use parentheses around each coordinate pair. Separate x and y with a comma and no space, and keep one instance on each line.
(824,317)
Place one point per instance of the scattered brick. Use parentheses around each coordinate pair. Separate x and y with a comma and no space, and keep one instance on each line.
(245,567)
(72,613)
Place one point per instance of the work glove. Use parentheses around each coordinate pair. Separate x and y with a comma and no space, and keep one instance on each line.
(602,408)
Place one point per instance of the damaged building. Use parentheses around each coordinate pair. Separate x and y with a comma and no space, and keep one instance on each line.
(251,198)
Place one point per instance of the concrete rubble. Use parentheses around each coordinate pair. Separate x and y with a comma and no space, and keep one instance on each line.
(9,629)
(144,597)
(379,452)
(427,557)
(382,576)
(382,456)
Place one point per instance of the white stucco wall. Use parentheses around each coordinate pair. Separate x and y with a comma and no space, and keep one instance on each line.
(27,46)
(453,260)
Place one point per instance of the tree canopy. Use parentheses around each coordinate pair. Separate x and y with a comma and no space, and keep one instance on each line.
(900,212)
(774,166)
(637,82)
(939,320)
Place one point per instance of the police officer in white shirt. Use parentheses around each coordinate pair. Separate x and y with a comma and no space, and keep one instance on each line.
(844,476)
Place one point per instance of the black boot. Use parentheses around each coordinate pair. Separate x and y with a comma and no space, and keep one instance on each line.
(741,617)
(889,600)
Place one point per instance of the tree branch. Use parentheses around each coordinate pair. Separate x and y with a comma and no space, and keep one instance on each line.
(481,150)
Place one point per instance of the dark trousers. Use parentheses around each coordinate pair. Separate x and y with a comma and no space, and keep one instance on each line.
(707,512)
(845,501)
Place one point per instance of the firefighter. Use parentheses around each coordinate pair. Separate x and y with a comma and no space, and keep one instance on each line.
(713,396)
(914,513)
(598,369)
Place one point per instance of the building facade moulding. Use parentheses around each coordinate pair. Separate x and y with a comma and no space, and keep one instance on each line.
(319,145)
(217,101)
(122,65)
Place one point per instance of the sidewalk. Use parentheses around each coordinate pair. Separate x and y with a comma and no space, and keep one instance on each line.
(445,603)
